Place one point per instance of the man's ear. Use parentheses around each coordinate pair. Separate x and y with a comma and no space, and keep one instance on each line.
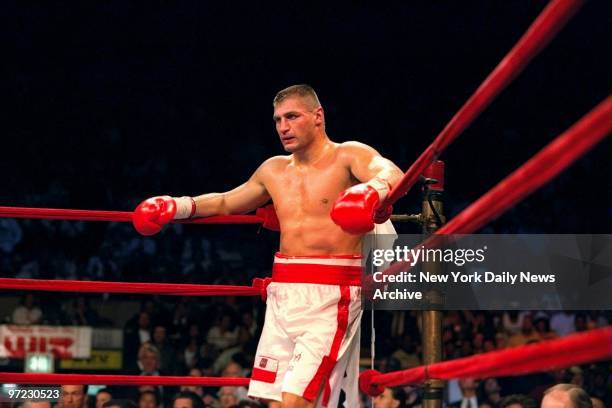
(319,116)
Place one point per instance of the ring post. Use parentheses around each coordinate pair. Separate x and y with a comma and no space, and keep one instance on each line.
(432,214)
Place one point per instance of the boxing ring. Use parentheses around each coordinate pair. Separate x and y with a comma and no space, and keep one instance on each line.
(550,161)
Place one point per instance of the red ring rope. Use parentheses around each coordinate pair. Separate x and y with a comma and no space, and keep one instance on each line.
(170,289)
(576,349)
(116,216)
(537,36)
(92,379)
(540,169)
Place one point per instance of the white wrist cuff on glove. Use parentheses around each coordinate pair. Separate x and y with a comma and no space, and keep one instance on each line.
(381,186)
(185,207)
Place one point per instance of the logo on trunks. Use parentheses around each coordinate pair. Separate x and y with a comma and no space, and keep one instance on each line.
(263,362)
(297,357)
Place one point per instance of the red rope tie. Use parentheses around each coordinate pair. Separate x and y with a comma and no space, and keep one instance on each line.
(261,284)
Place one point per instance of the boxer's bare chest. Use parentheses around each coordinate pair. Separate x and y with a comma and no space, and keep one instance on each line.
(309,190)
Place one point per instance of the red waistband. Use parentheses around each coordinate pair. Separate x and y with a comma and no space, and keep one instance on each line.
(316,273)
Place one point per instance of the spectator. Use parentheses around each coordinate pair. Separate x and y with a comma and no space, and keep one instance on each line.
(166,351)
(468,394)
(542,326)
(581,322)
(82,314)
(119,403)
(512,322)
(562,323)
(391,398)
(528,333)
(190,353)
(136,333)
(196,389)
(517,401)
(576,376)
(233,369)
(27,312)
(148,359)
(406,353)
(224,334)
(228,397)
(187,399)
(148,399)
(102,396)
(73,396)
(501,341)
(491,391)
(566,396)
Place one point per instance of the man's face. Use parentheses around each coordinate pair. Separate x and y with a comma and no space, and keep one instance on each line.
(232,370)
(101,398)
(148,361)
(182,403)
(73,396)
(386,400)
(227,397)
(147,401)
(159,334)
(296,121)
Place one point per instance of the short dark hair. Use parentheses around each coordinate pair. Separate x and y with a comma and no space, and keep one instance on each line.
(301,90)
(523,400)
(121,403)
(85,388)
(155,394)
(196,401)
(399,394)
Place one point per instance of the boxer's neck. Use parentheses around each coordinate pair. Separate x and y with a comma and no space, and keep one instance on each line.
(313,152)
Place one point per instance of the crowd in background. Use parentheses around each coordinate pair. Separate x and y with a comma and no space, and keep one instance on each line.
(217,336)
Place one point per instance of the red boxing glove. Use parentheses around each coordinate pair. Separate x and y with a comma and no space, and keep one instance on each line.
(153,213)
(354,209)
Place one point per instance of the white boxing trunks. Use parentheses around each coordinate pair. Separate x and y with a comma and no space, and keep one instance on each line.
(309,345)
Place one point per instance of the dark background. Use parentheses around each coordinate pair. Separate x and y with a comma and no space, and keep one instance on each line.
(107,103)
(112,102)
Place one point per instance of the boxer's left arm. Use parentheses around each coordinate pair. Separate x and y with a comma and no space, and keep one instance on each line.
(355,209)
(366,164)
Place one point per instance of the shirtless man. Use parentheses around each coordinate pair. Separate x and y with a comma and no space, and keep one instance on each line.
(327,196)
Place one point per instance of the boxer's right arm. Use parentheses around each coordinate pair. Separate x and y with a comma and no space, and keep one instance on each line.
(242,199)
(152,214)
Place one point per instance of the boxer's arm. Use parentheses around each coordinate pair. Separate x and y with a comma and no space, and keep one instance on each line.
(244,198)
(360,206)
(366,164)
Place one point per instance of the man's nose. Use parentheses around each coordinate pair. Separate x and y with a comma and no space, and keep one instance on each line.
(283,125)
